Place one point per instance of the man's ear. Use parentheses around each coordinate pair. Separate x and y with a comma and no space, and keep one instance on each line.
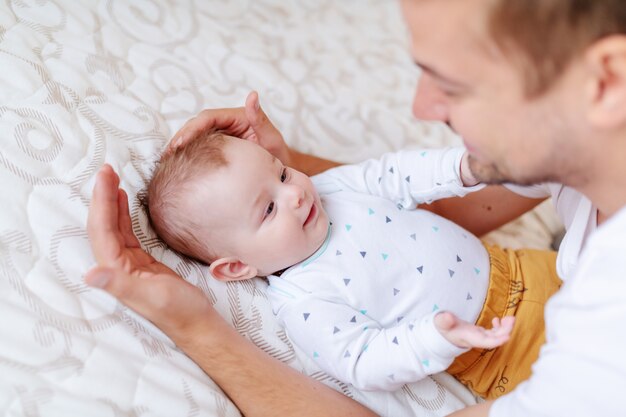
(606,58)
(231,269)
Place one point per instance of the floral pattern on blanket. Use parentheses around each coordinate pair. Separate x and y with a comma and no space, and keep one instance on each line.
(84,83)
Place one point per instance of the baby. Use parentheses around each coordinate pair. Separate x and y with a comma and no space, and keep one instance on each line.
(358,276)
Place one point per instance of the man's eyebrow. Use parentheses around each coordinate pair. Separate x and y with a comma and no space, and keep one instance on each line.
(433,72)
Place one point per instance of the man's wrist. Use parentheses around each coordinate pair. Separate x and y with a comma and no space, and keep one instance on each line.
(204,333)
(289,157)
(309,164)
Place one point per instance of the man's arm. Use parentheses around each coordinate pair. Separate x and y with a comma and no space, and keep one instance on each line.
(310,164)
(257,383)
(478,410)
(483,211)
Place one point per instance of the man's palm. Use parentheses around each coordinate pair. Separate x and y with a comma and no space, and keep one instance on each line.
(128,272)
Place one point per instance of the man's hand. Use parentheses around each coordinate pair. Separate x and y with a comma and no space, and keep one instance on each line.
(466,335)
(249,122)
(129,273)
(256,382)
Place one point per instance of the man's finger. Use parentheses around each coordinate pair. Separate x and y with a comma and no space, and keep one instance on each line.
(102,220)
(232,121)
(124,221)
(259,121)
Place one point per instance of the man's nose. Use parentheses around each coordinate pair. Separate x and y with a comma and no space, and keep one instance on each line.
(429,102)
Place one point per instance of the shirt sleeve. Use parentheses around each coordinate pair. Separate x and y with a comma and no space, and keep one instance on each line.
(406,177)
(355,349)
(530,191)
(581,370)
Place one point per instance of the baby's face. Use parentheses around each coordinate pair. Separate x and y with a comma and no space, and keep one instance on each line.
(267,215)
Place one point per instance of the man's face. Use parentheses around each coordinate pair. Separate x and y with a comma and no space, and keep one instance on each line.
(267,215)
(468,83)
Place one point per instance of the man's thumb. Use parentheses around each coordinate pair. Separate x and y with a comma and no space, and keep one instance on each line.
(115,282)
(257,118)
(99,277)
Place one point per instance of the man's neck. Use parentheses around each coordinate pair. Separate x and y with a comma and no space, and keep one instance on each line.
(607,198)
(606,186)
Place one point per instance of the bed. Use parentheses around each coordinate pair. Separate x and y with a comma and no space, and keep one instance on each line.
(84,83)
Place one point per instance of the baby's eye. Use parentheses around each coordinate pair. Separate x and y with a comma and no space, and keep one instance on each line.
(269,209)
(283,175)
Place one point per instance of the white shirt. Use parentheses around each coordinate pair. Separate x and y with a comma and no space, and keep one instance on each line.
(581,370)
(363,305)
(577,214)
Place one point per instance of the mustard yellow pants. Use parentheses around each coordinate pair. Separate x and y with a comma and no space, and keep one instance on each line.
(521,282)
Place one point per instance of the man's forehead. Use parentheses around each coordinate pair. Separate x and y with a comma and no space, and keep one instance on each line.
(446,27)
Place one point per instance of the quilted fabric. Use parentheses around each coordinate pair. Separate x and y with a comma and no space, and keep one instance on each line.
(83,83)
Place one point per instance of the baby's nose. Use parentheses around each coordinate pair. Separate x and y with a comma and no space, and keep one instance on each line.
(297,196)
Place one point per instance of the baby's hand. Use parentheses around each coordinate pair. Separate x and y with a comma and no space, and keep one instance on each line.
(467,177)
(467,335)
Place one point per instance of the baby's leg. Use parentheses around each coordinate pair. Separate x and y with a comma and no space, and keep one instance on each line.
(521,283)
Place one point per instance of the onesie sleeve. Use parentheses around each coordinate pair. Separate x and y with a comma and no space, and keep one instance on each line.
(531,191)
(406,177)
(355,349)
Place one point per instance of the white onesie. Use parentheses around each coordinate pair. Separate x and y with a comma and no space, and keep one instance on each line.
(363,305)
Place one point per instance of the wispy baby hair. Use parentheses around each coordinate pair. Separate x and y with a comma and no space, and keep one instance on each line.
(174,181)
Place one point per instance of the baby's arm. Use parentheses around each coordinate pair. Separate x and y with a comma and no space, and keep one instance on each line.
(355,349)
(464,334)
(411,177)
(349,345)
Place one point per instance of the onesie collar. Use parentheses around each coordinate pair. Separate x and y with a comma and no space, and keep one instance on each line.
(321,249)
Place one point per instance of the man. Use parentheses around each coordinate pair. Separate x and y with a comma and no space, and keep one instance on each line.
(537,89)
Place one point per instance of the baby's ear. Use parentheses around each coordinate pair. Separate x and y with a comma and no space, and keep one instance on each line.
(231,269)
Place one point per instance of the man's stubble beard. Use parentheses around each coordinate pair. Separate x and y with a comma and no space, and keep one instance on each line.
(492,174)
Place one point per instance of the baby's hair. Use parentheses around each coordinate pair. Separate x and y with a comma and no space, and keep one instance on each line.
(174,181)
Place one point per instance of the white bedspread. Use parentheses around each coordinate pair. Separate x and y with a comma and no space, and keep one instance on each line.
(88,82)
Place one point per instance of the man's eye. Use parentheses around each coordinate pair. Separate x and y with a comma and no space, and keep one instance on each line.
(450,94)
(283,175)
(270,209)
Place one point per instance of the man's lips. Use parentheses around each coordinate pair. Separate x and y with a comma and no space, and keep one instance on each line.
(311,215)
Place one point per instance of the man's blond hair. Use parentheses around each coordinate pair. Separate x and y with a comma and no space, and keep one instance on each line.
(546,35)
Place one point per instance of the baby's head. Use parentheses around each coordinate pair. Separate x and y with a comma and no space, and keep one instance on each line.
(229,203)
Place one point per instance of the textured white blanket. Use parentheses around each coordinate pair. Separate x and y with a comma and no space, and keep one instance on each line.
(83,83)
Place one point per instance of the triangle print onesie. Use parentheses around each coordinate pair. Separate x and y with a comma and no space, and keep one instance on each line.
(362,305)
